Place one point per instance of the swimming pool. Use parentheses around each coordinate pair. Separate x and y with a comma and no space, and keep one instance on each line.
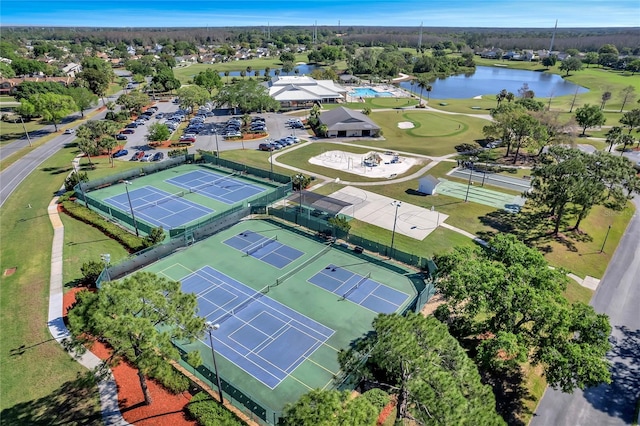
(367,92)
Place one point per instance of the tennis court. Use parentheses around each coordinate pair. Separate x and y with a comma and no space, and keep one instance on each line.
(359,289)
(479,195)
(269,250)
(224,188)
(159,207)
(260,335)
(282,324)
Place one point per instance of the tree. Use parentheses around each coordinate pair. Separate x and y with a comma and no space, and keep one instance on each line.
(591,58)
(158,132)
(627,94)
(525,92)
(549,61)
(96,136)
(614,136)
(53,107)
(226,74)
(526,130)
(96,80)
(247,95)
(209,79)
(631,119)
(589,116)
(165,80)
(571,64)
(423,83)
(341,223)
(6,71)
(633,66)
(83,98)
(418,360)
(133,101)
(605,97)
(287,57)
(508,294)
(127,314)
(192,96)
(330,408)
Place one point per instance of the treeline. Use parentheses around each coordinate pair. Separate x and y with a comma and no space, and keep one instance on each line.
(584,39)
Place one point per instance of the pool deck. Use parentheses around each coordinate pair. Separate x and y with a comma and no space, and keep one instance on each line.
(394,91)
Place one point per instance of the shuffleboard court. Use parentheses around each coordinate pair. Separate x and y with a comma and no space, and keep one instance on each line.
(263,337)
(359,289)
(224,188)
(269,250)
(158,207)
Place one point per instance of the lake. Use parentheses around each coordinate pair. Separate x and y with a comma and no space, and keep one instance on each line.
(491,80)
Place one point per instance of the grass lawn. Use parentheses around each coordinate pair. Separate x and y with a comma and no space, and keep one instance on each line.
(186,73)
(580,254)
(434,133)
(10,132)
(35,372)
(254,158)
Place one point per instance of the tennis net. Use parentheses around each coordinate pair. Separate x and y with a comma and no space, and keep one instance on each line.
(352,289)
(254,248)
(228,177)
(160,201)
(303,265)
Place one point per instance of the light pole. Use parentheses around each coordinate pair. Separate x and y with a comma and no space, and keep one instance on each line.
(466,196)
(210,328)
(397,204)
(271,162)
(217,149)
(605,239)
(133,216)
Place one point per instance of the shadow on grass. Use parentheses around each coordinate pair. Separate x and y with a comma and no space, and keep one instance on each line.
(509,387)
(70,404)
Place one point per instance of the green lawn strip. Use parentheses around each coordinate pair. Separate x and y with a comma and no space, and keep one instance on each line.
(254,158)
(43,369)
(10,132)
(7,99)
(83,243)
(599,145)
(299,158)
(465,105)
(438,242)
(535,385)
(581,254)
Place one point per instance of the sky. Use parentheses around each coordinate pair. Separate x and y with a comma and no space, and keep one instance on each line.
(432,13)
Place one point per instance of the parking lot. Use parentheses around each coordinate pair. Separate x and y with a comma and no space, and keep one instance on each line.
(276,125)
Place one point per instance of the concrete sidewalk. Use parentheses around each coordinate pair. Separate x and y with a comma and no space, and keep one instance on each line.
(106,385)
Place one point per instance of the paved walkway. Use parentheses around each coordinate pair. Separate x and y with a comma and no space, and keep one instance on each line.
(106,385)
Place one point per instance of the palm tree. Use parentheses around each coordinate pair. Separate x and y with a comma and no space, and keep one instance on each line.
(422,84)
(249,70)
(501,96)
(243,74)
(226,74)
(614,135)
(276,72)
(429,88)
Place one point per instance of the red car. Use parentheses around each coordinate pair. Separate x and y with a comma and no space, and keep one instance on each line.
(137,156)
(127,132)
(187,139)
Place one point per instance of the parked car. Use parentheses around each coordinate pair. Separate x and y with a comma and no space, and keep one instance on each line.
(146,157)
(120,153)
(127,132)
(121,137)
(158,156)
(132,125)
(188,139)
(159,115)
(266,147)
(137,155)
(69,131)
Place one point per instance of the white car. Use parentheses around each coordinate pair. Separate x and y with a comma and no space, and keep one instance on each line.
(69,131)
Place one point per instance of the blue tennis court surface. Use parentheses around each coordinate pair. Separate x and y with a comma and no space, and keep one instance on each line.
(260,335)
(158,207)
(360,289)
(269,250)
(226,189)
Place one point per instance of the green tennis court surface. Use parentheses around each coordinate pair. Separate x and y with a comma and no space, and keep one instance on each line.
(283,316)
(480,195)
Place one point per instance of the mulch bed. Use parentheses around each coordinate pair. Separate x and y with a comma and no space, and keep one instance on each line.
(166,408)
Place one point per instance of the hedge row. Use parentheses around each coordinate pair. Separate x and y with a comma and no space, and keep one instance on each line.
(170,378)
(209,412)
(128,240)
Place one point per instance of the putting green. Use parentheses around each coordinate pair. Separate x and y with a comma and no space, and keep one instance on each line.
(435,125)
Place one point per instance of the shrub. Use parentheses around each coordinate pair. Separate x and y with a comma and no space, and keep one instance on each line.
(377,397)
(170,378)
(74,178)
(90,272)
(208,412)
(129,241)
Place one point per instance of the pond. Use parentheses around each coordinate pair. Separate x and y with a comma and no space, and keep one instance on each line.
(491,80)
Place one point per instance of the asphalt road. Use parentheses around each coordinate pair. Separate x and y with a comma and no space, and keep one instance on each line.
(618,295)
